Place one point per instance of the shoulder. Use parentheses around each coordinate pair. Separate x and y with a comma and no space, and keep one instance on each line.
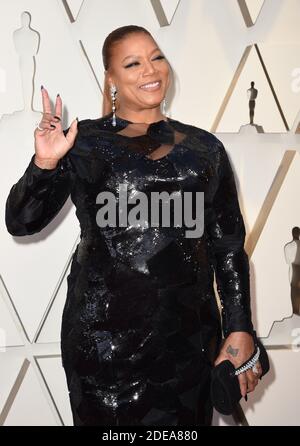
(205,143)
(102,123)
(201,135)
(89,124)
(87,127)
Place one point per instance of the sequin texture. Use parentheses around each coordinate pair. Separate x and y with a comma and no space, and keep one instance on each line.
(141,326)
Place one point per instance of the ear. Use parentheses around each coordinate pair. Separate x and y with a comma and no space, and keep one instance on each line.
(109,79)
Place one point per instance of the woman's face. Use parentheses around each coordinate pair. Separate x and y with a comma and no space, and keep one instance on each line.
(137,61)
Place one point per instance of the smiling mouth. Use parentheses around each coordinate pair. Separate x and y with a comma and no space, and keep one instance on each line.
(151,86)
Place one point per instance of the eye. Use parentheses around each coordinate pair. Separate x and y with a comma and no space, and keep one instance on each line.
(131,64)
(136,63)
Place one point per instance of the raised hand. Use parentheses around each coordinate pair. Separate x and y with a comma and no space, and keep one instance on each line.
(50,143)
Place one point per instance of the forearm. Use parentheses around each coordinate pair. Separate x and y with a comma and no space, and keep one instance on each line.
(227,234)
(233,284)
(36,198)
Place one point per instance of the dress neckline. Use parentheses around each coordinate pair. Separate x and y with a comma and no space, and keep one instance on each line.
(157,133)
(147,123)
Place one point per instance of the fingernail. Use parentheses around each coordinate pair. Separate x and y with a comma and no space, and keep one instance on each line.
(42,86)
(51,125)
(57,95)
(77,119)
(246,397)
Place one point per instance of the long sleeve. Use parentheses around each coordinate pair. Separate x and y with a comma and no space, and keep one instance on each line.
(38,196)
(231,263)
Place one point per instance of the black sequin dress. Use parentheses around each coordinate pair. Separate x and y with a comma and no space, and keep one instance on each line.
(141,325)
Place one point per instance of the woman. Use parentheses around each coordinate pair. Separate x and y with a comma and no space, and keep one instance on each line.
(141,329)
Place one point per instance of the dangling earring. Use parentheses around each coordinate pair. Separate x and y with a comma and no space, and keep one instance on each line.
(113,92)
(164,106)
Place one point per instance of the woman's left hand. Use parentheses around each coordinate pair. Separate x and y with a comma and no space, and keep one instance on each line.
(237,348)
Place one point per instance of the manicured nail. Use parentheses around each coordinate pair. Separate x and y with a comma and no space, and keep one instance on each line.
(57,95)
(77,119)
(246,397)
(42,86)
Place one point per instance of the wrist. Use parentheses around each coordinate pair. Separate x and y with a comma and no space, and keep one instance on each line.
(244,326)
(239,334)
(48,164)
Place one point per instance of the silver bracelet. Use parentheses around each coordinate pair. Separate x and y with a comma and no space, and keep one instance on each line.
(249,364)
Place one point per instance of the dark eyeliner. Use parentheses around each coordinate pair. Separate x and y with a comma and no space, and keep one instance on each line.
(133,63)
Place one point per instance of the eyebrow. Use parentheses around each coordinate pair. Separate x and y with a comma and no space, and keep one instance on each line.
(132,55)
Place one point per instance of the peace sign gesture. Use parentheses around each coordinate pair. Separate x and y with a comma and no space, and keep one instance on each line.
(50,143)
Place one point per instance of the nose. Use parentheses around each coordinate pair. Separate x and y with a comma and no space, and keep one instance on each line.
(148,68)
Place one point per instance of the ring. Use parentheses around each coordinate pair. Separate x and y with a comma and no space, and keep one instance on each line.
(255,369)
(38,126)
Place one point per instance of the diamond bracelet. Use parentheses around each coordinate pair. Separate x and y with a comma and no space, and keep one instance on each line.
(249,364)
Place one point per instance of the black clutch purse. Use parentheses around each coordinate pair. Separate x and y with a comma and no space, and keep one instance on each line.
(225,387)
